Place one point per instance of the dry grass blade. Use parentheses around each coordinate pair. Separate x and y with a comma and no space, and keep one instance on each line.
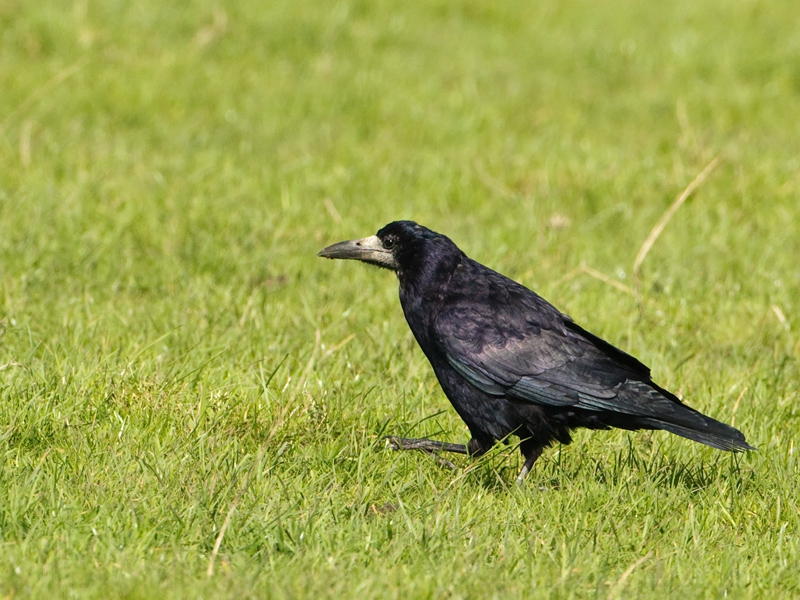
(59,77)
(665,218)
(218,542)
(584,269)
(621,581)
(331,208)
(605,279)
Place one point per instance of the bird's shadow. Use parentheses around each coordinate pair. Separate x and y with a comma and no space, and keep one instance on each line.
(664,469)
(497,469)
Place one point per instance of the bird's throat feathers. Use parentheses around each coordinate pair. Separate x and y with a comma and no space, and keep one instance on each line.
(426,271)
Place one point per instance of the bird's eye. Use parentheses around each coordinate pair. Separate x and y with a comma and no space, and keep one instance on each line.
(388,243)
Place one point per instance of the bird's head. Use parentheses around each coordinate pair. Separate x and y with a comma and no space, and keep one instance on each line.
(401,246)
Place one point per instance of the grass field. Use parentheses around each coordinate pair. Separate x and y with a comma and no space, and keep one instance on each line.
(192,404)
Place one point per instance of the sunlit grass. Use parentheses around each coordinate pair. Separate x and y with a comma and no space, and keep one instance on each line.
(175,359)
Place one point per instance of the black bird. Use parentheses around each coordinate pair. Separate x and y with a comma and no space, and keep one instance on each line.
(510,362)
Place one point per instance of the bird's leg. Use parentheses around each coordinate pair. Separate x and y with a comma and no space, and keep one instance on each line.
(531,454)
(425,445)
(429,446)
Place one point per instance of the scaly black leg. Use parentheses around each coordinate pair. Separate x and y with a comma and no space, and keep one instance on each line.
(425,445)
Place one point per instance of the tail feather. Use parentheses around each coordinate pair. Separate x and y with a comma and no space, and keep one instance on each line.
(670,414)
(715,434)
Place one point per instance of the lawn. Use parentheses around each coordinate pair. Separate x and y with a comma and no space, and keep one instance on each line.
(193,405)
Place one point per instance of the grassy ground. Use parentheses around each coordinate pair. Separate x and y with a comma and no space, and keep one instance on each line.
(184,384)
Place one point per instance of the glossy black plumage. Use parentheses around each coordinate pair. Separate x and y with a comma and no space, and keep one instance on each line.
(510,362)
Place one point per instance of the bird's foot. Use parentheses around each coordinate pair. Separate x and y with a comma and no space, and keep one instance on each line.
(530,458)
(426,445)
(431,447)
(522,475)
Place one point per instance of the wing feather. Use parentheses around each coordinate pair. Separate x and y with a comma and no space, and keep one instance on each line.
(534,355)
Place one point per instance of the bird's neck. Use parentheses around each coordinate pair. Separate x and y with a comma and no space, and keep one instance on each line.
(430,276)
(423,289)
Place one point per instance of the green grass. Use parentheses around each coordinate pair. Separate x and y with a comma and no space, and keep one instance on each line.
(173,354)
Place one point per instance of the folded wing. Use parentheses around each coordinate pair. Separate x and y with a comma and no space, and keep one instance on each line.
(525,350)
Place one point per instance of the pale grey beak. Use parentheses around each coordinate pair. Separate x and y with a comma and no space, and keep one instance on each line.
(369,250)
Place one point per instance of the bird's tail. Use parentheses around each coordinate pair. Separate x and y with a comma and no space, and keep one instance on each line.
(714,434)
(663,410)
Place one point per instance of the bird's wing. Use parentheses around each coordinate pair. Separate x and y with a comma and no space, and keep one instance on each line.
(523,348)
